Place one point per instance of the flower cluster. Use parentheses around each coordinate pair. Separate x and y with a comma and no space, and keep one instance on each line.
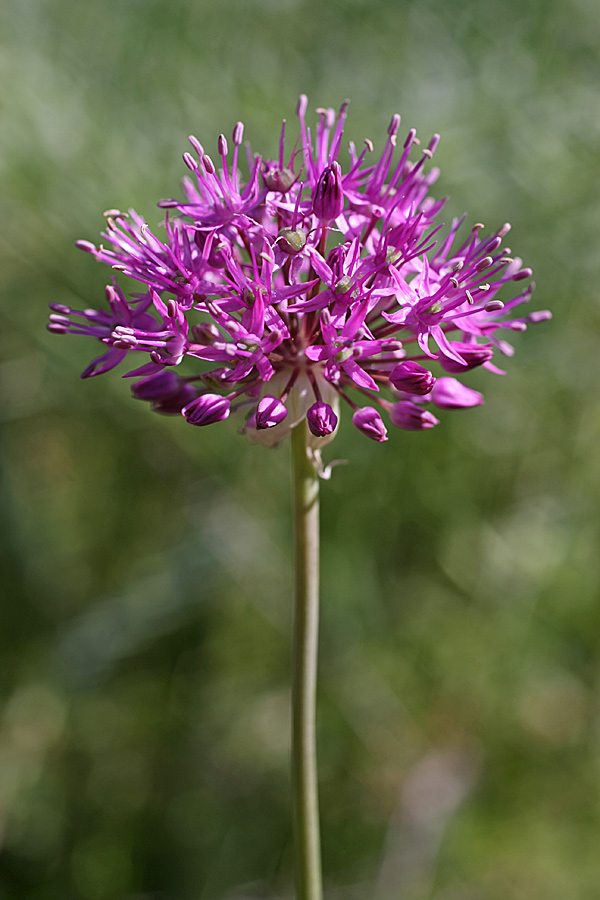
(303,285)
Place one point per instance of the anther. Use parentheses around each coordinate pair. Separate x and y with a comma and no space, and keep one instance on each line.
(522,273)
(190,162)
(196,145)
(433,143)
(86,245)
(302,105)
(238,133)
(394,125)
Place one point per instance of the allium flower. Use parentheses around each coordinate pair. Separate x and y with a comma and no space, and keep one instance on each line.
(308,283)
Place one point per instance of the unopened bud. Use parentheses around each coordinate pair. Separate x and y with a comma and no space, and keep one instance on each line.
(449,393)
(408,415)
(328,201)
(370,423)
(206,409)
(292,240)
(321,419)
(412,378)
(270,412)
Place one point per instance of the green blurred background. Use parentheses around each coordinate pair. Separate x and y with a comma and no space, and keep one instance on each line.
(146,566)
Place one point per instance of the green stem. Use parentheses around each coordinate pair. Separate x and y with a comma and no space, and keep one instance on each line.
(306,628)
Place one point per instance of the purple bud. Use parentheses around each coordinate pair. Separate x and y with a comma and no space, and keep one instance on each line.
(473,354)
(206,409)
(370,423)
(328,201)
(321,419)
(156,387)
(270,412)
(412,378)
(407,414)
(448,393)
(173,404)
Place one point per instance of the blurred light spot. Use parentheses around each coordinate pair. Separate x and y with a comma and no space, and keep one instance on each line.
(553,707)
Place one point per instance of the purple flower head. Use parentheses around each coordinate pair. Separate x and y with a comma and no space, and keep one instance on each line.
(321,419)
(300,283)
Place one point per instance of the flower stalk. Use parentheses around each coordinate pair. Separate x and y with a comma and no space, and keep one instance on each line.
(305,482)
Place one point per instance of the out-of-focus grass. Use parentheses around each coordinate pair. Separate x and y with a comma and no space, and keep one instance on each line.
(145,618)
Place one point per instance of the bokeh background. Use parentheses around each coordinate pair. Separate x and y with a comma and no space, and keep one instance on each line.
(145,565)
